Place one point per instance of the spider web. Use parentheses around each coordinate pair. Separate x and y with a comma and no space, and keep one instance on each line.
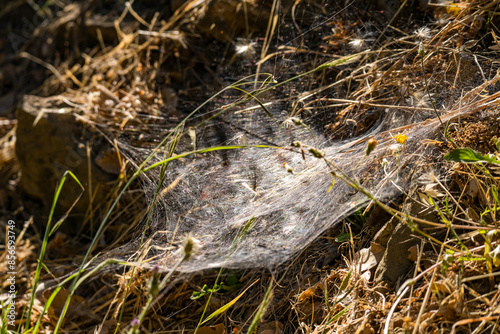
(243,204)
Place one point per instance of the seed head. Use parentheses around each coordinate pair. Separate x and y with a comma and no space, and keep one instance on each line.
(317,153)
(245,48)
(190,245)
(423,33)
(293,121)
(370,146)
(154,285)
(421,50)
(288,168)
(357,44)
(135,323)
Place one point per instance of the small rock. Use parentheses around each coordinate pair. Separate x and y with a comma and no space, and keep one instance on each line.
(50,141)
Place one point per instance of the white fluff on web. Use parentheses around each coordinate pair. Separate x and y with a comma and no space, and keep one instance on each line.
(216,194)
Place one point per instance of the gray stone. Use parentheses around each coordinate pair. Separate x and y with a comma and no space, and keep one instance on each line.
(396,262)
(51,140)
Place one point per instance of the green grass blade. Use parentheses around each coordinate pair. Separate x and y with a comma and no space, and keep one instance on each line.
(227,306)
(345,282)
(339,314)
(262,309)
(205,150)
(257,100)
(48,232)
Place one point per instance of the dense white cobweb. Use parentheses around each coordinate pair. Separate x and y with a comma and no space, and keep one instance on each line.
(214,195)
(245,207)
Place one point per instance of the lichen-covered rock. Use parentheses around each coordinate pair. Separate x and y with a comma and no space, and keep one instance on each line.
(50,141)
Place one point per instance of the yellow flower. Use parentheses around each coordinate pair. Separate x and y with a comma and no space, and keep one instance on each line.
(400,138)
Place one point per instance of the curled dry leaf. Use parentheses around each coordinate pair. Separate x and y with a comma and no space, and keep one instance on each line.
(368,258)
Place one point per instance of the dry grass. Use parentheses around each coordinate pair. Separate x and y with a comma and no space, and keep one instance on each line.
(453,285)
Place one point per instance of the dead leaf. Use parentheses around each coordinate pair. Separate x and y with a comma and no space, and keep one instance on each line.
(58,301)
(413,250)
(368,258)
(441,287)
(274,327)
(449,307)
(424,198)
(216,329)
(268,331)
(431,191)
(472,189)
(108,161)
(377,249)
(307,293)
(472,214)
(106,327)
(77,306)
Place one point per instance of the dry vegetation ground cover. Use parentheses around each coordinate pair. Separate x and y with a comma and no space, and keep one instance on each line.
(132,71)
